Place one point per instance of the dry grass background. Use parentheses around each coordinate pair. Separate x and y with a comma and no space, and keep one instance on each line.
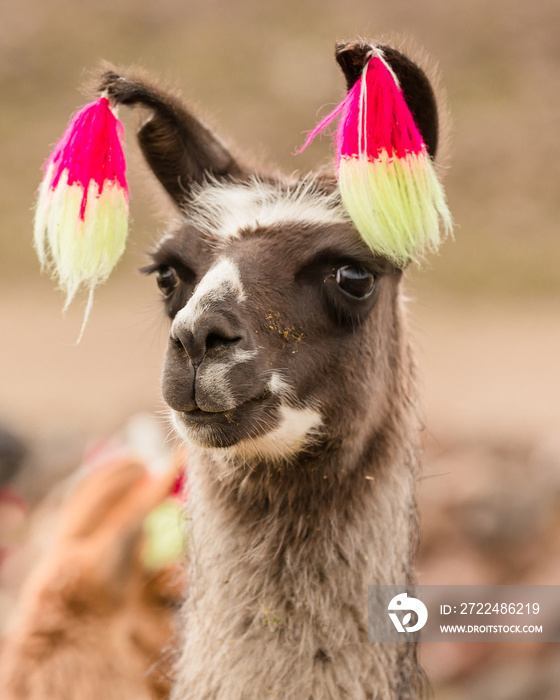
(485,311)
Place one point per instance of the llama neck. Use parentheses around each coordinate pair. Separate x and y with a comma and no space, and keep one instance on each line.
(280,561)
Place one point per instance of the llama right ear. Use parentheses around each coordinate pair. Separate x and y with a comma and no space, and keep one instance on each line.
(385,144)
(178,147)
(352,56)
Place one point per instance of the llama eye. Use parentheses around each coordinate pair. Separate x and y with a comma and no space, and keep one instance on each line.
(167,279)
(355,281)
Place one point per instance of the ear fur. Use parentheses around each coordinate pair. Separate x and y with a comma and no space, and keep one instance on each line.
(179,148)
(417,90)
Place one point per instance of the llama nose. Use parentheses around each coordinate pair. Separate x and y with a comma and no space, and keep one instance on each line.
(210,336)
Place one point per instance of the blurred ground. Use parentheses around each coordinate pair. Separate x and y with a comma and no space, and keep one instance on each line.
(489,370)
(485,312)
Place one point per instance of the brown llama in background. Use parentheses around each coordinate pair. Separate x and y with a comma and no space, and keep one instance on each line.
(92,621)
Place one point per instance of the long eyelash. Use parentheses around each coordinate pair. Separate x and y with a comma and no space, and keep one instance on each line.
(150,269)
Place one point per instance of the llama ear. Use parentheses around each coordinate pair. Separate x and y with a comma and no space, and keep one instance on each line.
(385,144)
(179,148)
(418,93)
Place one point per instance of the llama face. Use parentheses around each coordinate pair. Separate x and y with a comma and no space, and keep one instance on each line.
(285,328)
(274,302)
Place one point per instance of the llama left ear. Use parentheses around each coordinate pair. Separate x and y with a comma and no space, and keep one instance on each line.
(179,148)
(81,217)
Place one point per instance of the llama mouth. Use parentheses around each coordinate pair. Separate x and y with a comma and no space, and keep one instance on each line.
(200,413)
(226,428)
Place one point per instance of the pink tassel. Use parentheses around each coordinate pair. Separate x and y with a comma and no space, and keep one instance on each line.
(386,178)
(90,151)
(81,220)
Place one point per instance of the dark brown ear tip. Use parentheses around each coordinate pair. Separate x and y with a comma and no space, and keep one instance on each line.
(418,94)
(118,88)
(352,56)
(107,81)
(356,47)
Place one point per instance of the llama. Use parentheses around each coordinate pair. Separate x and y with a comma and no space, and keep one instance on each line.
(92,621)
(289,374)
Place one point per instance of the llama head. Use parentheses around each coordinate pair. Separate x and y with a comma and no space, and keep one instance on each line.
(285,327)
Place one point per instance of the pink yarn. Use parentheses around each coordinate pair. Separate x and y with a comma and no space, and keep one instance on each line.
(386,121)
(179,488)
(322,125)
(90,150)
(8,495)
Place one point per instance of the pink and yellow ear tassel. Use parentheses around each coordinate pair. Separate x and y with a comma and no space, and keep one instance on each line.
(81,219)
(387,180)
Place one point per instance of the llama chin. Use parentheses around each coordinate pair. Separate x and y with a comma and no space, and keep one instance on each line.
(278,434)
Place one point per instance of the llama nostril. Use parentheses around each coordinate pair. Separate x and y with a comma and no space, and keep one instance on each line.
(211,335)
(215,340)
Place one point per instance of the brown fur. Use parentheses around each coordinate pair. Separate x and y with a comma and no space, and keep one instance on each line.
(91,621)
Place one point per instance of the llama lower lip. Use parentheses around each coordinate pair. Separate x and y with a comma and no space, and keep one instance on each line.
(200,414)
(199,417)
(225,428)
